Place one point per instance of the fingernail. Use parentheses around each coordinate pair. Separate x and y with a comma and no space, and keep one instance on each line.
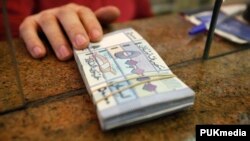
(63,52)
(80,40)
(95,34)
(36,51)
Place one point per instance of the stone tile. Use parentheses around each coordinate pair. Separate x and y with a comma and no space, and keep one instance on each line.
(222,95)
(75,119)
(168,34)
(10,94)
(48,121)
(222,88)
(46,77)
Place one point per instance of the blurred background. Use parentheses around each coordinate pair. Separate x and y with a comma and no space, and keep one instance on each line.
(170,6)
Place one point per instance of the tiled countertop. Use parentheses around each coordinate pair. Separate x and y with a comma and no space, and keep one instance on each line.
(46,99)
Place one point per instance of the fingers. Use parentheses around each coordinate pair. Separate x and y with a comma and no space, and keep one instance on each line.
(80,24)
(54,34)
(73,27)
(91,24)
(28,31)
(107,14)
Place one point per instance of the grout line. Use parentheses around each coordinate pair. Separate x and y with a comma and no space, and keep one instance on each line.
(194,60)
(72,93)
(191,61)
(46,100)
(230,52)
(54,98)
(12,49)
(12,110)
(77,92)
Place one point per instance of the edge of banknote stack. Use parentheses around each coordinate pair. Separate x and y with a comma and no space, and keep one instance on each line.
(125,89)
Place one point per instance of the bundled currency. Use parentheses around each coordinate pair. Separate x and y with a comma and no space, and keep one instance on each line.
(128,81)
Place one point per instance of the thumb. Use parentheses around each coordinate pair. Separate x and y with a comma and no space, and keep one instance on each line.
(107,14)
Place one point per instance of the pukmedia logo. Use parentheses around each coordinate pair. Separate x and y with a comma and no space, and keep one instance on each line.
(221,133)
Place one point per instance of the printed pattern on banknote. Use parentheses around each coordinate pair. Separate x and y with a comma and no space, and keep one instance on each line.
(121,60)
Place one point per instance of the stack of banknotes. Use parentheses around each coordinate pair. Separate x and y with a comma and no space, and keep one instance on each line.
(128,81)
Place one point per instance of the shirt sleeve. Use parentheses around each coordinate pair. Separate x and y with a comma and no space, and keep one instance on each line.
(143,9)
(17,10)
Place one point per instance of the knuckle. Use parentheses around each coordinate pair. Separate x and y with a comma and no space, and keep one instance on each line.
(71,5)
(64,10)
(74,28)
(25,24)
(83,10)
(67,7)
(45,17)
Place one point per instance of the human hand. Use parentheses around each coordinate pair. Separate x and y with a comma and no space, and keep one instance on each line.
(80,24)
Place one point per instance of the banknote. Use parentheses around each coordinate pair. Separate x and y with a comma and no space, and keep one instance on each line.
(128,81)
